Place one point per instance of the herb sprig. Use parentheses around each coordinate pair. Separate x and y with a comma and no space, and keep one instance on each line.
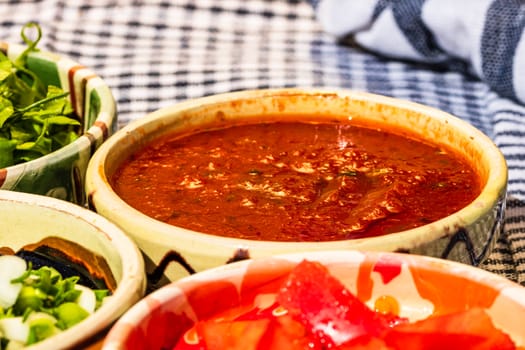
(35,119)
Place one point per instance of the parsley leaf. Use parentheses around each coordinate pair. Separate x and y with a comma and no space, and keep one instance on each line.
(35,119)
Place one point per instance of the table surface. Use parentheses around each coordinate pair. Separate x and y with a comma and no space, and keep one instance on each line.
(158,52)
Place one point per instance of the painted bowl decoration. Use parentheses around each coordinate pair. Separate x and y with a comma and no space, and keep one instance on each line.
(331,145)
(79,244)
(301,292)
(60,171)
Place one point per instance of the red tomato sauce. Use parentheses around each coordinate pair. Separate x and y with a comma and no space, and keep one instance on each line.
(296,181)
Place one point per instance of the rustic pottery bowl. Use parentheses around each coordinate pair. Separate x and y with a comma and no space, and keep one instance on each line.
(61,174)
(421,285)
(466,236)
(68,233)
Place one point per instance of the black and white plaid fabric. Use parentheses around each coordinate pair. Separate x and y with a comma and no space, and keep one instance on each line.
(154,53)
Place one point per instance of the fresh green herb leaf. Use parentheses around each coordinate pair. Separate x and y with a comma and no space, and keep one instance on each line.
(37,119)
(6,110)
(6,152)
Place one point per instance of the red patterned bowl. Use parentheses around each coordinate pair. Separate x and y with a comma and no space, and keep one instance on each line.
(422,286)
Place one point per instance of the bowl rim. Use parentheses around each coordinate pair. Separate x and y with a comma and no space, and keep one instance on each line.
(176,289)
(97,182)
(129,289)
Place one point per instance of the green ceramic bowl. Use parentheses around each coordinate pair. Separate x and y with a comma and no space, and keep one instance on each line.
(61,174)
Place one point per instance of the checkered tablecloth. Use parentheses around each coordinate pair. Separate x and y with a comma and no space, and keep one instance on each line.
(154,53)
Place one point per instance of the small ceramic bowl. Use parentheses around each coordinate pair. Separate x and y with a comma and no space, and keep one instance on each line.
(61,174)
(421,285)
(466,235)
(44,227)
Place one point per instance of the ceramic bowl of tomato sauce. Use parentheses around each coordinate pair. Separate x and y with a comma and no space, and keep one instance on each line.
(257,173)
(46,141)
(68,249)
(329,300)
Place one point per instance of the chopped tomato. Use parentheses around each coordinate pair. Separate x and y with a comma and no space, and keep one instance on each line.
(233,335)
(315,311)
(286,333)
(365,343)
(470,329)
(327,309)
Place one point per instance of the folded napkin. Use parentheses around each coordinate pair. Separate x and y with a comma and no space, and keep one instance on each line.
(483,37)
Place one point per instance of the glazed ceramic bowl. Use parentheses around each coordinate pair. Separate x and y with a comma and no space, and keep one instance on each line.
(61,174)
(74,236)
(466,236)
(421,286)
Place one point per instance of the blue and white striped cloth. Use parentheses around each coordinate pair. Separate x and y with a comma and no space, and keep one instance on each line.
(482,37)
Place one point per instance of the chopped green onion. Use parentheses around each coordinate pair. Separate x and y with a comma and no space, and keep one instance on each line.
(44,304)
